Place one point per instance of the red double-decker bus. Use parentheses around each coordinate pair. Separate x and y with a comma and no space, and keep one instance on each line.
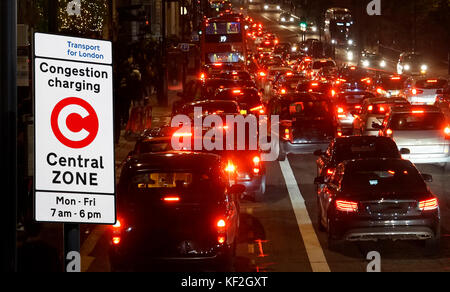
(223,41)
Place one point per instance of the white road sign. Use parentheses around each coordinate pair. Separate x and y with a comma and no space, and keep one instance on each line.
(74,135)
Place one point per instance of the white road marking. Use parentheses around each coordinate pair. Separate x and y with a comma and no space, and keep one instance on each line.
(314,250)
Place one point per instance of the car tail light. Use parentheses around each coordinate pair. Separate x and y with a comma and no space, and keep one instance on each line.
(221,239)
(389,133)
(202,76)
(116,240)
(221,224)
(171,199)
(259,109)
(370,108)
(283,91)
(118,224)
(418,112)
(333,93)
(346,206)
(287,134)
(179,135)
(256,160)
(341,113)
(447,132)
(330,171)
(231,168)
(429,205)
(237,91)
(381,91)
(415,91)
(262,74)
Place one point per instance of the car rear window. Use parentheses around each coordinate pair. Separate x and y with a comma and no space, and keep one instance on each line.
(152,147)
(310,109)
(366,149)
(320,65)
(431,84)
(417,121)
(188,186)
(384,179)
(392,84)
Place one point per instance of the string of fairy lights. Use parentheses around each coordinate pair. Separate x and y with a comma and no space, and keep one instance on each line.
(90,20)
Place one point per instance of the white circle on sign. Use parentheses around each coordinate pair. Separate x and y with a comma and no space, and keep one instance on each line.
(62,122)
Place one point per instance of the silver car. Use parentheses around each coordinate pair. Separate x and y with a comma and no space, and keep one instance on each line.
(374,110)
(421,129)
(424,91)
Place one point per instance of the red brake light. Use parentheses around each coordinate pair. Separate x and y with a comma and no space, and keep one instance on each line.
(116,240)
(447,132)
(221,224)
(370,108)
(230,168)
(283,91)
(117,225)
(428,205)
(346,206)
(287,134)
(432,81)
(330,171)
(171,199)
(389,132)
(256,160)
(237,91)
(418,112)
(396,78)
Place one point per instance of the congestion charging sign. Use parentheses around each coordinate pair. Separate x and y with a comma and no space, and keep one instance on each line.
(74,135)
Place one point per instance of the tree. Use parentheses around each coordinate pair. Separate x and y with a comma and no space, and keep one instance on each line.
(91,20)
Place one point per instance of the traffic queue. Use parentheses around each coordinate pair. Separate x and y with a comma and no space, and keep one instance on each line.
(368,128)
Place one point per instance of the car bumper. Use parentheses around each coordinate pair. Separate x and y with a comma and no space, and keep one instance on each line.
(293,148)
(373,230)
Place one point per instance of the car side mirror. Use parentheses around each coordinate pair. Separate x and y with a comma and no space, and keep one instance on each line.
(405,151)
(237,189)
(376,126)
(427,177)
(318,153)
(319,180)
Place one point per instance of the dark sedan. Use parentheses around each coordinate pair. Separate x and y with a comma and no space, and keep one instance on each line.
(378,199)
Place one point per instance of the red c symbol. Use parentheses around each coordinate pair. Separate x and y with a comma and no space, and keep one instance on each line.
(74,123)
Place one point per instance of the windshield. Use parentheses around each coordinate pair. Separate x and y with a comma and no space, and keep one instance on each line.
(366,149)
(417,122)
